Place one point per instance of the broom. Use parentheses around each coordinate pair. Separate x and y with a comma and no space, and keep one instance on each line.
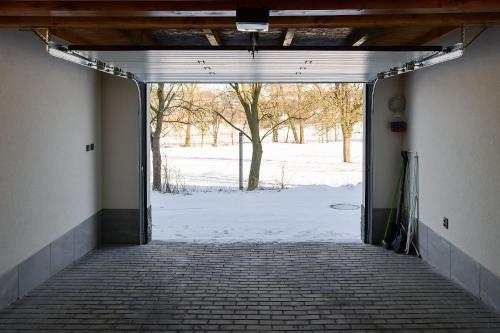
(389,228)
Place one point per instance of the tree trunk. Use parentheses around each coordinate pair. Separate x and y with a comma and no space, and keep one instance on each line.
(156,152)
(301,129)
(187,142)
(251,107)
(215,130)
(275,135)
(253,177)
(216,140)
(294,131)
(346,133)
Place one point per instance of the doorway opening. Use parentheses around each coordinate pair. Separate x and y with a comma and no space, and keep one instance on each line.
(256,162)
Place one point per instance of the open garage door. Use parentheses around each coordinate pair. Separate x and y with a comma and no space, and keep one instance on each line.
(335,64)
(266,65)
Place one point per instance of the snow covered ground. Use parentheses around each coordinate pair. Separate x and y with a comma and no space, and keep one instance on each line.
(215,211)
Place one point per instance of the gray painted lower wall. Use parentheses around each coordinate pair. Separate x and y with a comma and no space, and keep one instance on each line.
(106,226)
(121,226)
(364,225)
(49,260)
(373,233)
(457,266)
(377,228)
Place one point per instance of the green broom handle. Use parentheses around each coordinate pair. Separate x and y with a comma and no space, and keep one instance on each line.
(393,203)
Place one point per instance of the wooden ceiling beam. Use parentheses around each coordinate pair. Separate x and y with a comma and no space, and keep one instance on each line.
(367,21)
(212,37)
(288,37)
(70,37)
(17,6)
(103,37)
(433,34)
(147,38)
(353,37)
(360,41)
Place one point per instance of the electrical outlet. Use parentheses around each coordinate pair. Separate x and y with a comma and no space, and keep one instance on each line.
(91,146)
(445,222)
(87,147)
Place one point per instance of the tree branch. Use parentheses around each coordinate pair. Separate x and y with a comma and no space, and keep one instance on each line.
(176,122)
(234,126)
(220,115)
(276,126)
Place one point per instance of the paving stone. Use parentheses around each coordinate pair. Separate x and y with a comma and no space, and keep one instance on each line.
(248,287)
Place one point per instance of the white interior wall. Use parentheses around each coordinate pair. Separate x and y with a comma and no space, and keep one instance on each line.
(49,111)
(120,127)
(454,125)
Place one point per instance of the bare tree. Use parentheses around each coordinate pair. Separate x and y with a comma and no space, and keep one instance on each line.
(162,102)
(348,99)
(305,107)
(248,95)
(271,109)
(220,106)
(298,103)
(189,91)
(328,115)
(203,121)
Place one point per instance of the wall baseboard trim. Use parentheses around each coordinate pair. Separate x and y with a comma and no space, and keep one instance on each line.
(51,259)
(454,264)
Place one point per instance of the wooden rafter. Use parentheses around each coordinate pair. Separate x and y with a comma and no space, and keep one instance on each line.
(212,37)
(360,41)
(229,22)
(354,36)
(288,37)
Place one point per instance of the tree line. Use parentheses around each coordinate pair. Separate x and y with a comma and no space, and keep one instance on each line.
(257,111)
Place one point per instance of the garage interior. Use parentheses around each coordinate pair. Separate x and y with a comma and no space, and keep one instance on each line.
(75,251)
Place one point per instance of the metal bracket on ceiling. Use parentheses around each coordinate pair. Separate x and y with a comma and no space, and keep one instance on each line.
(447,54)
(62,52)
(254,38)
(59,51)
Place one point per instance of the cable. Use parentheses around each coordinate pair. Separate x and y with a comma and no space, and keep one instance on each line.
(483,29)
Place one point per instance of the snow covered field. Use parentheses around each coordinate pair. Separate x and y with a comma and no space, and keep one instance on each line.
(215,210)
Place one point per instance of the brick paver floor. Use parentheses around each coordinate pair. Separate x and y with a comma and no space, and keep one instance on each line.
(306,287)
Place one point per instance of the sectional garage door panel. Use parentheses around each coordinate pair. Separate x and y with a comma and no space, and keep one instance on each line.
(266,66)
